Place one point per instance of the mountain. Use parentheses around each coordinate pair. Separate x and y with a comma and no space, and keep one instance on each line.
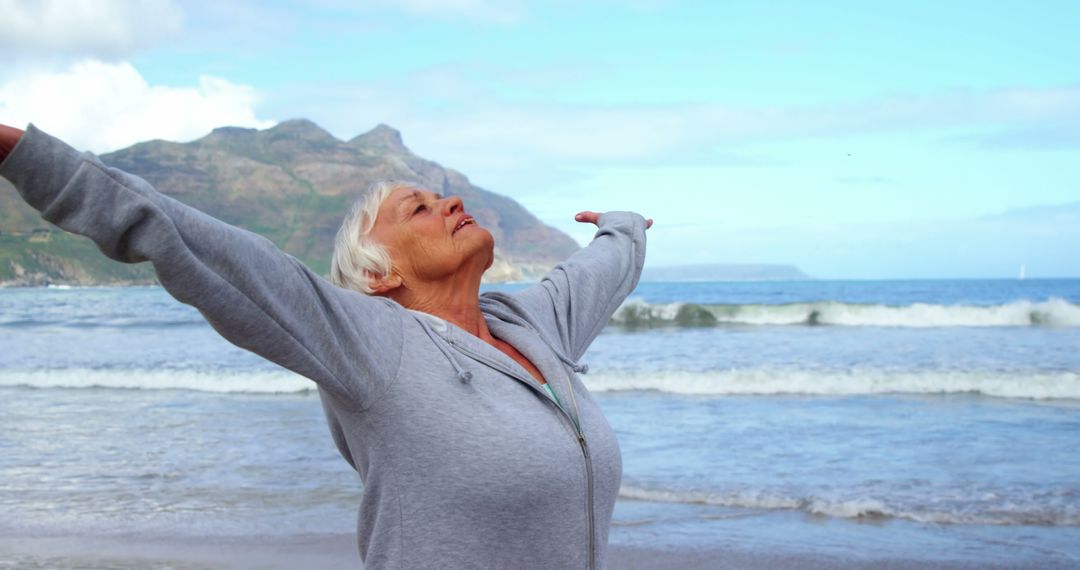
(1068,212)
(292,183)
(725,272)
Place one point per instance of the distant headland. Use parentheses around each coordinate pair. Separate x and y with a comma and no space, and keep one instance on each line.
(725,272)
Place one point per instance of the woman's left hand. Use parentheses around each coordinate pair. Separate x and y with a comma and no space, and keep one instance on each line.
(587,217)
(9,137)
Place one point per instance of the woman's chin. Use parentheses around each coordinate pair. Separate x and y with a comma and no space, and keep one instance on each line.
(485,238)
(480,248)
(488,251)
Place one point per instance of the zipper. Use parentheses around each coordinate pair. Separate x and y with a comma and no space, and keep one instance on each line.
(589,498)
(582,443)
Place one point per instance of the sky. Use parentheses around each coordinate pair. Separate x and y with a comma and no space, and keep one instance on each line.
(855,140)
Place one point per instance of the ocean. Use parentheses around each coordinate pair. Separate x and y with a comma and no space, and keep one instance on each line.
(918,421)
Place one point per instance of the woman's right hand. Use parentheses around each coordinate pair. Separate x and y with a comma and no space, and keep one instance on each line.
(588,217)
(9,137)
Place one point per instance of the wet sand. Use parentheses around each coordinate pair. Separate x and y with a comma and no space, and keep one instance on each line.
(332,552)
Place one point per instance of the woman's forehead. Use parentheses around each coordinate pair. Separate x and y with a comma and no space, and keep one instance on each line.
(400,199)
(404,195)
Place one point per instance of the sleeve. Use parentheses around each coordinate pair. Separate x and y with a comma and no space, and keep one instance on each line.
(577,298)
(255,295)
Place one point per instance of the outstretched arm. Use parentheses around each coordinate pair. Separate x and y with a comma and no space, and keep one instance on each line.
(255,295)
(574,302)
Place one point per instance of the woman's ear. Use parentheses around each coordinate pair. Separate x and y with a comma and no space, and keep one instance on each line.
(383,284)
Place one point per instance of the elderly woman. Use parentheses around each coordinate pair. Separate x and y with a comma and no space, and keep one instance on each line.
(477,443)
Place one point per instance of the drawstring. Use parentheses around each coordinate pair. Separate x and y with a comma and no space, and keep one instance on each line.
(578,368)
(582,368)
(463,376)
(509,301)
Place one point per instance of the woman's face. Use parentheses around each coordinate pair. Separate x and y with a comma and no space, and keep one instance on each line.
(430,237)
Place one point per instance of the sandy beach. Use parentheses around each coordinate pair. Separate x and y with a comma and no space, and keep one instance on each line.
(332,552)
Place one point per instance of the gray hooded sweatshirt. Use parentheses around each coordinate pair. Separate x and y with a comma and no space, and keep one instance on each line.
(466,461)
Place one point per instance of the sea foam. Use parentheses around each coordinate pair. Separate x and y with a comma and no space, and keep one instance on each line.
(1052,312)
(754,382)
(1021,509)
(267,381)
(1035,386)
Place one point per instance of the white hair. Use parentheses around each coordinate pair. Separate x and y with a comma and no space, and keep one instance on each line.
(357,257)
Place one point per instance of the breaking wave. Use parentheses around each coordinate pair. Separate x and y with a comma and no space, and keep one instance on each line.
(263,382)
(1052,312)
(1035,386)
(753,382)
(983,509)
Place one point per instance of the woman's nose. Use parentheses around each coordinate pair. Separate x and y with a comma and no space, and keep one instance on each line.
(452,204)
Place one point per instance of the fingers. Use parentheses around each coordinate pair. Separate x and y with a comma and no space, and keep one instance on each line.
(588,217)
(9,136)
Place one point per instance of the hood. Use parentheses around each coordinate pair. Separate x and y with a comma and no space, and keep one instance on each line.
(508,309)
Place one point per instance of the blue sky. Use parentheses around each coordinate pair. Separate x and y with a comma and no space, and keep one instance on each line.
(853,139)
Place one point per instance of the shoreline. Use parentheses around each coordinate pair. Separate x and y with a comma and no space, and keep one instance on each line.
(338,551)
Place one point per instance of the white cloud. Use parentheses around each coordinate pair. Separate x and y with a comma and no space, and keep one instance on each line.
(105,106)
(85,28)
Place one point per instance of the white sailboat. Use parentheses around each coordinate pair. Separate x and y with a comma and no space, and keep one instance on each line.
(1023,271)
